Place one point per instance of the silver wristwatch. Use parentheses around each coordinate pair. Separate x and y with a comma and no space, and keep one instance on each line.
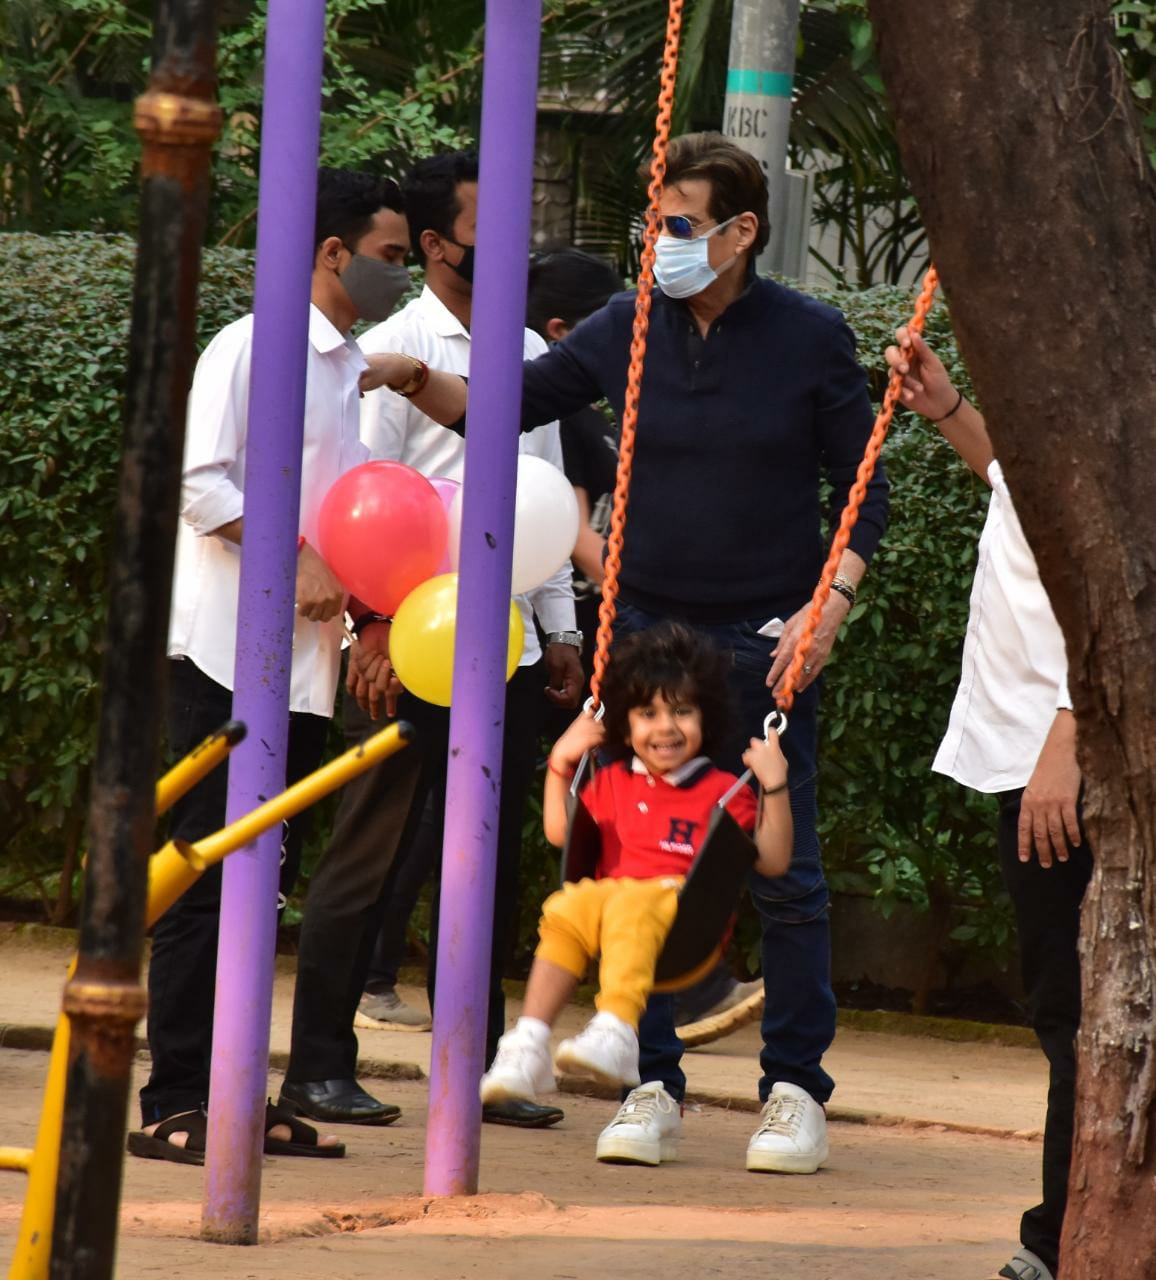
(572,638)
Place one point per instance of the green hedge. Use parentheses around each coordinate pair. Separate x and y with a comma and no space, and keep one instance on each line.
(891,827)
(64,308)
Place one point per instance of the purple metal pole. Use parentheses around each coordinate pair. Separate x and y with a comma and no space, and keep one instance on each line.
(509,97)
(290,133)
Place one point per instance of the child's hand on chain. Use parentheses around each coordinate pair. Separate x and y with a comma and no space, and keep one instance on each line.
(584,734)
(766,761)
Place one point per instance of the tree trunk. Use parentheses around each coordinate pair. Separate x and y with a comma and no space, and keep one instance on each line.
(1019,137)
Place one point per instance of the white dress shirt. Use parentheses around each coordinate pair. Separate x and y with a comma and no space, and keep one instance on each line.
(203,623)
(392,428)
(1015,666)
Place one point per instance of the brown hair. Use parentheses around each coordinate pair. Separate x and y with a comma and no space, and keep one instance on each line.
(737,182)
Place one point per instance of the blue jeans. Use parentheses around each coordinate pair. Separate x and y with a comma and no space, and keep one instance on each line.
(799,1017)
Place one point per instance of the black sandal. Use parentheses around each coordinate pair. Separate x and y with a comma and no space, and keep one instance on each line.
(156,1145)
(303,1139)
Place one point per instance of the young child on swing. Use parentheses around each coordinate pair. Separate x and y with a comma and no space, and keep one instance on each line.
(667,704)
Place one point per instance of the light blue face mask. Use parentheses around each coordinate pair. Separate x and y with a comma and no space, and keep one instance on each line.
(682,267)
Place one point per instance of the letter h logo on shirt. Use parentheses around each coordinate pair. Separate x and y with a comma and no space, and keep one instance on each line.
(681,833)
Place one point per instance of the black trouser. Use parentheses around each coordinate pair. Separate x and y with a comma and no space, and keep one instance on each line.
(183,968)
(414,867)
(525,704)
(378,820)
(1047,907)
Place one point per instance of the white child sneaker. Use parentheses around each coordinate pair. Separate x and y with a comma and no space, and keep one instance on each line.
(646,1129)
(521,1066)
(792,1137)
(1025,1266)
(606,1048)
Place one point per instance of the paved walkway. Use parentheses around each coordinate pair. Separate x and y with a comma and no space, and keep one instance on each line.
(918,1183)
(972,1086)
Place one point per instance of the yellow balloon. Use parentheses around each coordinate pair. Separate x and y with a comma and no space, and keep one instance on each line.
(421,640)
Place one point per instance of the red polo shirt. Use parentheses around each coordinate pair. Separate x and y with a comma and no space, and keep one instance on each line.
(653,826)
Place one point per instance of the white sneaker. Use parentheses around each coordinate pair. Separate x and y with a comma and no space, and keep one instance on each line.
(792,1137)
(646,1129)
(1026,1266)
(606,1048)
(521,1069)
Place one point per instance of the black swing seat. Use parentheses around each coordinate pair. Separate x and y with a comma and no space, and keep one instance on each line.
(706,901)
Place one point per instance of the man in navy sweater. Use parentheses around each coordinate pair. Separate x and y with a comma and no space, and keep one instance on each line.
(751,397)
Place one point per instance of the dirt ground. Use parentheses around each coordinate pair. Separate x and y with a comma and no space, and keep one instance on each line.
(897,1202)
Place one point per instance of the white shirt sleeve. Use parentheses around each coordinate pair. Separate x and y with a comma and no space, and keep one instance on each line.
(215,432)
(553,601)
(383,412)
(1063,697)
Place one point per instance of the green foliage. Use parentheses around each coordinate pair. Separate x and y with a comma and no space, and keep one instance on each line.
(1136,33)
(397,86)
(64,307)
(842,132)
(379,108)
(402,79)
(67,143)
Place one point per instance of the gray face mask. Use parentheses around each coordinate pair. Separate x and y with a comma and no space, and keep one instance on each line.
(373,286)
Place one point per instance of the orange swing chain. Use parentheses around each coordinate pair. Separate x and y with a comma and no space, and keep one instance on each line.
(785,698)
(613,563)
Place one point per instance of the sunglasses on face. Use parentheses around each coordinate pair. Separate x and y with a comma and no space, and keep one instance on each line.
(680,227)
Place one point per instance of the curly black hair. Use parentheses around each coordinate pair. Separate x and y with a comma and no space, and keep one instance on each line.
(678,663)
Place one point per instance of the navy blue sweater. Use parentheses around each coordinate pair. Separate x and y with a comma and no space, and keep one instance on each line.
(735,433)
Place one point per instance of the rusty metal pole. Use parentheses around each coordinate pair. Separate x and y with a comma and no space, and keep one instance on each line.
(177,119)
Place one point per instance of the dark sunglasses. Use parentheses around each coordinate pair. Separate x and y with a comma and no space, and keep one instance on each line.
(677,225)
(680,227)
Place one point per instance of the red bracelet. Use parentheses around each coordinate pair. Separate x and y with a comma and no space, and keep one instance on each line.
(300,541)
(566,777)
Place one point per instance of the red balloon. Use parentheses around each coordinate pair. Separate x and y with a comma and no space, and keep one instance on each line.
(383,531)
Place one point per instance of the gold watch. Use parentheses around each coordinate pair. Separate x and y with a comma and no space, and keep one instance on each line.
(416,379)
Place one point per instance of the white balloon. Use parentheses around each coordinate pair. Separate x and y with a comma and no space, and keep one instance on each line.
(545,524)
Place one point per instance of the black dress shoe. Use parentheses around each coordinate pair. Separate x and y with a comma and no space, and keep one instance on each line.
(521,1114)
(336,1102)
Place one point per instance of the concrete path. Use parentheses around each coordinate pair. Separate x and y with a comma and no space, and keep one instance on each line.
(976,1087)
(932,1163)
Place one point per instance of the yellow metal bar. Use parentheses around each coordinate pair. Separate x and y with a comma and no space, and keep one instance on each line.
(202,760)
(171,871)
(170,874)
(34,1243)
(173,868)
(206,853)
